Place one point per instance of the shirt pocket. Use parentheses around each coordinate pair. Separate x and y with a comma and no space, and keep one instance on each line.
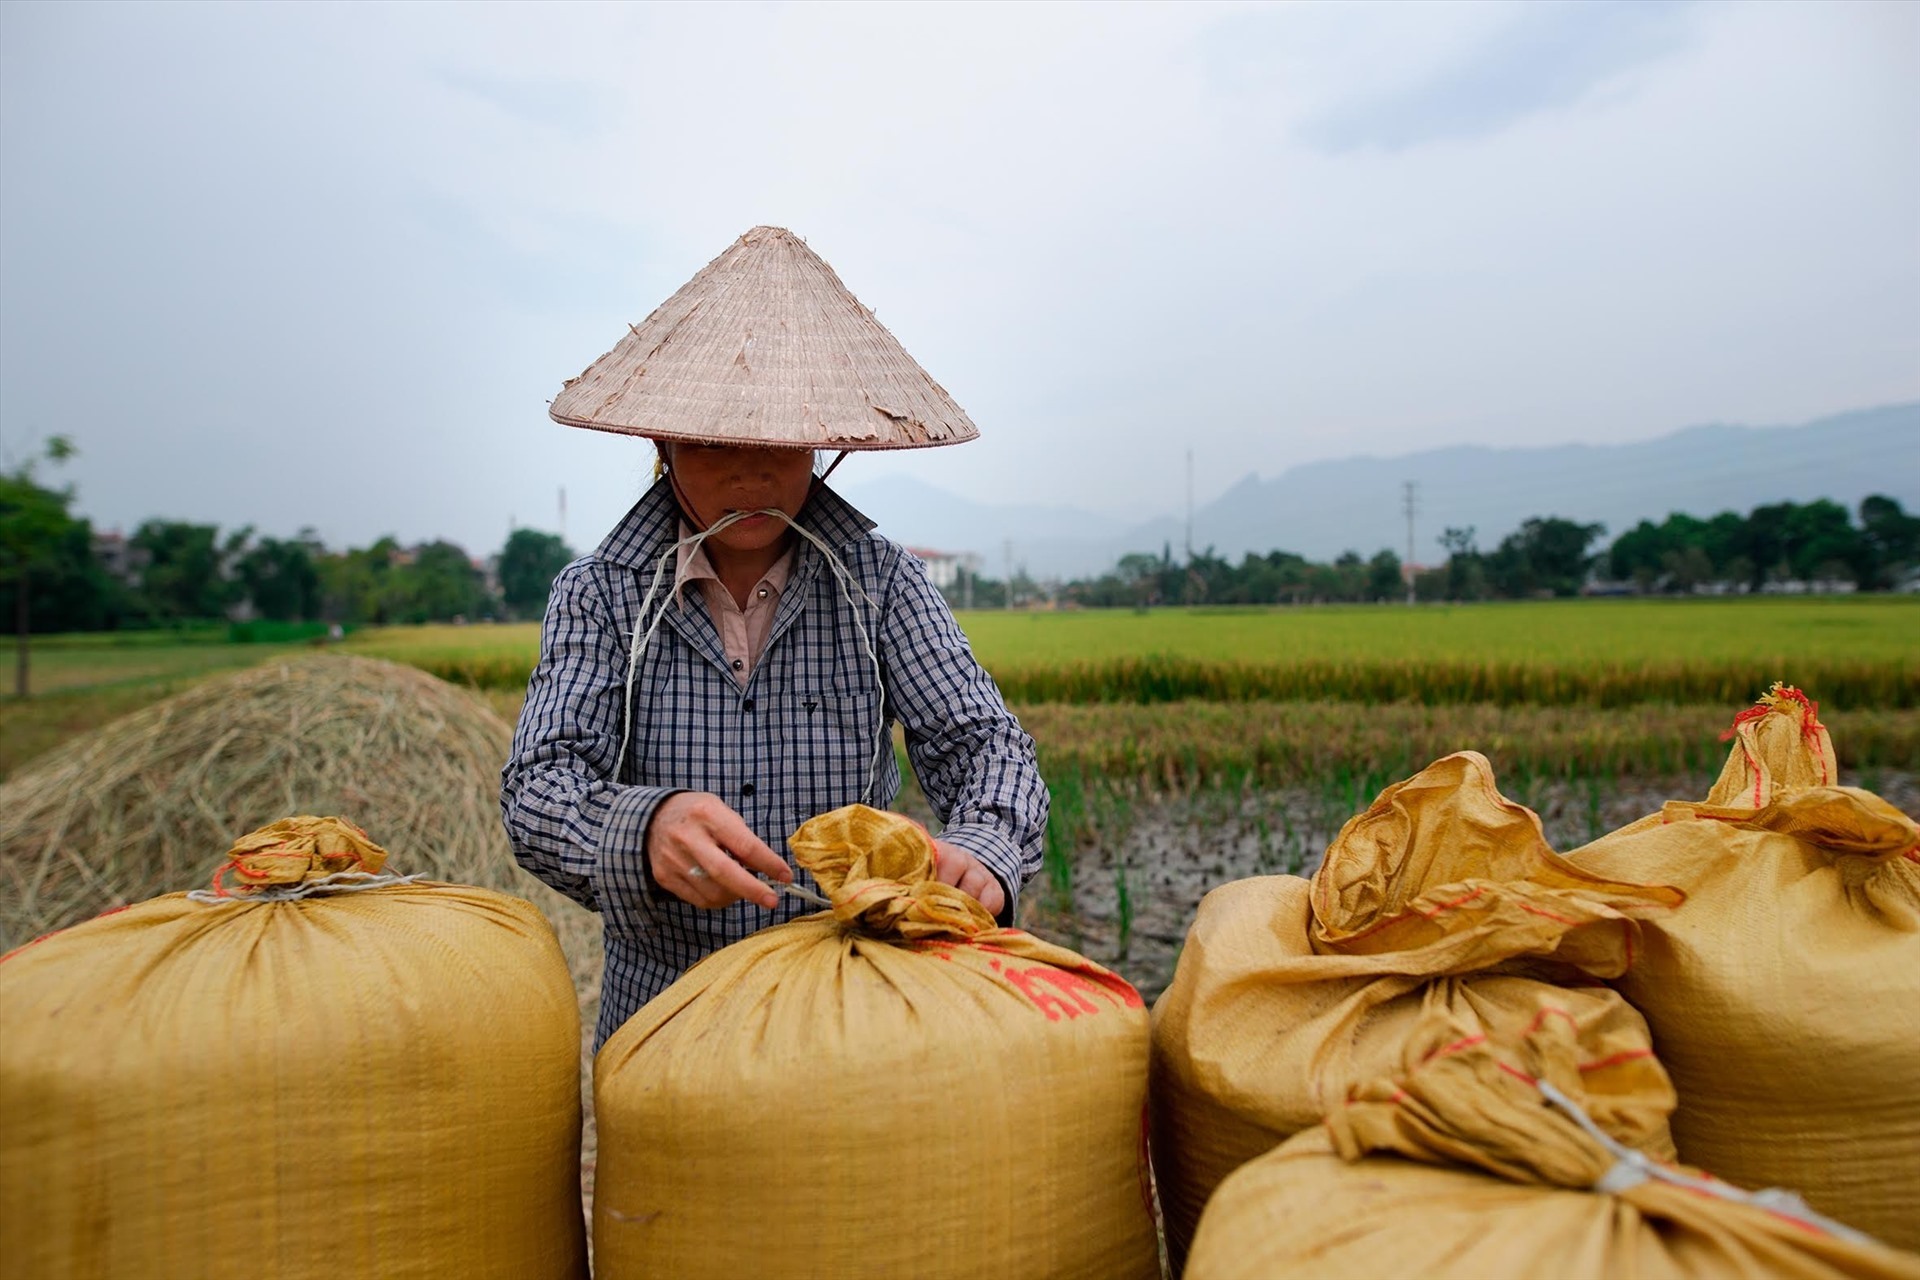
(830,739)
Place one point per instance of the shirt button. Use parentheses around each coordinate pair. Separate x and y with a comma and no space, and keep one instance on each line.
(738,664)
(746,704)
(746,788)
(763,593)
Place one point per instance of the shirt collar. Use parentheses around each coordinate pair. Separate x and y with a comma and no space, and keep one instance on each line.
(696,566)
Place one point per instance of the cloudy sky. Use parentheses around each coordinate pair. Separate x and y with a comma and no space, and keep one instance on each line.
(324,265)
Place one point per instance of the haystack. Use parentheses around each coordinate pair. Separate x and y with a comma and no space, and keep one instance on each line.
(151,803)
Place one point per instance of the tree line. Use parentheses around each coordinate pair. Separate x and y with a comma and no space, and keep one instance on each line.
(59,576)
(1813,545)
(173,572)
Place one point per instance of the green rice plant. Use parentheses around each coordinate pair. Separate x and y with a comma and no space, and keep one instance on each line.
(1066,823)
(1123,911)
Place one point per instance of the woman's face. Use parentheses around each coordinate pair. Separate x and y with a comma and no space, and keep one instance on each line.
(718,480)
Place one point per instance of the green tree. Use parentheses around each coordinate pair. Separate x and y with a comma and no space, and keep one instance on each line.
(355,583)
(1141,572)
(1648,554)
(282,578)
(1764,544)
(1208,578)
(528,564)
(1544,555)
(440,584)
(1822,543)
(34,526)
(1890,539)
(1686,567)
(1466,567)
(1384,581)
(184,576)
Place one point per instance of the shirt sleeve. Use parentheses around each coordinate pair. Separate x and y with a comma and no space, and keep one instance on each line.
(569,821)
(974,761)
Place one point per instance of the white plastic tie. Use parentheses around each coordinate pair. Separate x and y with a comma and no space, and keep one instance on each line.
(805,895)
(1631,1168)
(1624,1175)
(338,882)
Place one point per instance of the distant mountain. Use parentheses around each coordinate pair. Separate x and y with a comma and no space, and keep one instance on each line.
(1050,541)
(1323,508)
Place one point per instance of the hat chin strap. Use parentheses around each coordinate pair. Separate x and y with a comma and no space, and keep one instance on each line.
(694,518)
(836,462)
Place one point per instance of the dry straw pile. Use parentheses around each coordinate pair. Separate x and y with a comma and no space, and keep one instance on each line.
(150,803)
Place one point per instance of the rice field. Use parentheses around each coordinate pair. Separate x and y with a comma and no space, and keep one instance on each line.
(1560,632)
(1853,652)
(1183,698)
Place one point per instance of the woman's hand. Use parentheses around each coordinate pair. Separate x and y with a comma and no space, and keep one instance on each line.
(968,874)
(702,852)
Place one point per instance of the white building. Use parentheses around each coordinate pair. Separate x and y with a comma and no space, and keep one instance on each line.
(945,567)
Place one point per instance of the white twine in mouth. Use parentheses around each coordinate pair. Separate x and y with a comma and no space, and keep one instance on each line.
(850,591)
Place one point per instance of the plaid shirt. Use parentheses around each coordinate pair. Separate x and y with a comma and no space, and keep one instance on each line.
(798,739)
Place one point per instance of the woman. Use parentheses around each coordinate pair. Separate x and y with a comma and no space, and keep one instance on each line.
(729,662)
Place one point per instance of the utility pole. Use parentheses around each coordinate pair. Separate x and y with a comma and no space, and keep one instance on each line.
(1009,550)
(1189,506)
(1411,501)
(563,513)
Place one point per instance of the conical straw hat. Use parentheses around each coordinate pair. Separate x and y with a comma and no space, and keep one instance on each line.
(764,346)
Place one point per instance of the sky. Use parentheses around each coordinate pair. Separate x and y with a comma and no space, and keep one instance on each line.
(324,265)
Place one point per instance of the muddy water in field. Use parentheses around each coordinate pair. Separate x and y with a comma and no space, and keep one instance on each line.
(1165,854)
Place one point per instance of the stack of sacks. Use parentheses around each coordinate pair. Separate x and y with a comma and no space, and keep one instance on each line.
(1785,996)
(328,1071)
(895,1088)
(1443,895)
(1568,1113)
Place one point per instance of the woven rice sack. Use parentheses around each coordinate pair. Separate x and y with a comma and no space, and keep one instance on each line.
(1785,996)
(1289,991)
(1459,1165)
(895,1088)
(375,1082)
